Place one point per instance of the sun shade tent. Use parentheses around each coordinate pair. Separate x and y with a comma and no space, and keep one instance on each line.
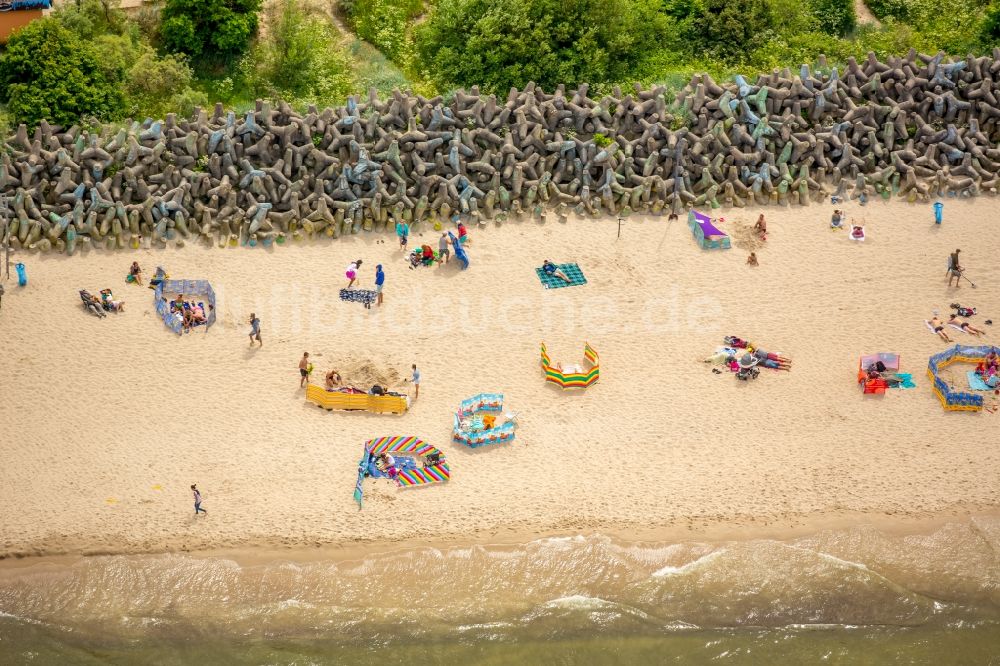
(569,379)
(709,237)
(377,404)
(889,360)
(200,290)
(953,399)
(403,446)
(467,428)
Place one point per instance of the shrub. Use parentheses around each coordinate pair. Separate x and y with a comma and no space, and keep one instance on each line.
(47,72)
(209,29)
(497,44)
(384,22)
(299,59)
(835,17)
(731,28)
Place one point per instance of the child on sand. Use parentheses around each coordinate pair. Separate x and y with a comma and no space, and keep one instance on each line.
(761,227)
(304,368)
(379,282)
(752,259)
(255,329)
(352,272)
(416,381)
(197,500)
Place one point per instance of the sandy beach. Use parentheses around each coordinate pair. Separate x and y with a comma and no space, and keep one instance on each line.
(107,422)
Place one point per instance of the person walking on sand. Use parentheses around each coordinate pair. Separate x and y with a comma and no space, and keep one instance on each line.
(197,500)
(352,272)
(304,369)
(403,232)
(379,281)
(955,269)
(416,381)
(255,329)
(444,251)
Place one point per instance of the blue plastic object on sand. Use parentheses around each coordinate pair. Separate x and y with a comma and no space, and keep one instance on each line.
(938,212)
(22,275)
(459,251)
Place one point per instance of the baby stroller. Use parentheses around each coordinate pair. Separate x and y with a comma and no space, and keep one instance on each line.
(748,367)
(93,306)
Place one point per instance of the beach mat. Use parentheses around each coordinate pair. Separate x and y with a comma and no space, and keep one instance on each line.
(572,271)
(363,296)
(975,382)
(907,382)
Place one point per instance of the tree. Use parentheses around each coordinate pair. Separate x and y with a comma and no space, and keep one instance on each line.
(47,72)
(209,29)
(835,17)
(497,44)
(731,28)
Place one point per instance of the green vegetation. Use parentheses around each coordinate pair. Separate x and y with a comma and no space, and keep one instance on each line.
(212,30)
(384,23)
(47,72)
(299,61)
(90,60)
(502,43)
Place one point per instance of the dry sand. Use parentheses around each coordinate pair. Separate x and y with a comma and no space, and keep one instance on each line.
(106,423)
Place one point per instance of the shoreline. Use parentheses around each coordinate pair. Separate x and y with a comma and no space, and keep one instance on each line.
(777,529)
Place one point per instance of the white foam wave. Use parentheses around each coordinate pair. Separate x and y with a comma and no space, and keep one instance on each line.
(675,571)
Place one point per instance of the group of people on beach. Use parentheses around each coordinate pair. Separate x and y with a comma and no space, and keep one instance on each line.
(332,380)
(988,370)
(187,313)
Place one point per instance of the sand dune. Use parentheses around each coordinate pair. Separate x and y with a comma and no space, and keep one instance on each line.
(107,422)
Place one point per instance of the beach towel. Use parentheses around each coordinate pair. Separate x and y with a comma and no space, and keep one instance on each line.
(363,296)
(572,271)
(907,382)
(976,382)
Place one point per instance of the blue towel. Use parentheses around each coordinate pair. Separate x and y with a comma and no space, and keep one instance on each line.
(976,383)
(907,380)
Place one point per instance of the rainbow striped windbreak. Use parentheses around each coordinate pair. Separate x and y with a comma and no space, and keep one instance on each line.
(438,473)
(572,380)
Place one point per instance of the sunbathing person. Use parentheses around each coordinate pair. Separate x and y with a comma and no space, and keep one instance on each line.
(332,379)
(107,300)
(992,360)
(197,314)
(771,360)
(938,327)
(551,269)
(837,220)
(93,304)
(965,326)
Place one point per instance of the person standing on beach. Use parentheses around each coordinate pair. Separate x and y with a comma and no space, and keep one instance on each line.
(403,231)
(352,272)
(379,281)
(197,500)
(416,381)
(255,329)
(444,252)
(304,368)
(954,269)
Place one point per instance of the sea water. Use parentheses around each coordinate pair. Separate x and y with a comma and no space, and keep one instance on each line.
(850,596)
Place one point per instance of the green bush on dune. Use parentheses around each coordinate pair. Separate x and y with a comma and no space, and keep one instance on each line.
(502,43)
(47,72)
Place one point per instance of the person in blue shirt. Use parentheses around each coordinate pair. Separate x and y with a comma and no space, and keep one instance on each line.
(403,231)
(552,269)
(379,281)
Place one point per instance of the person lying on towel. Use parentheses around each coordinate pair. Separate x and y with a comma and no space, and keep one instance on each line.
(552,269)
